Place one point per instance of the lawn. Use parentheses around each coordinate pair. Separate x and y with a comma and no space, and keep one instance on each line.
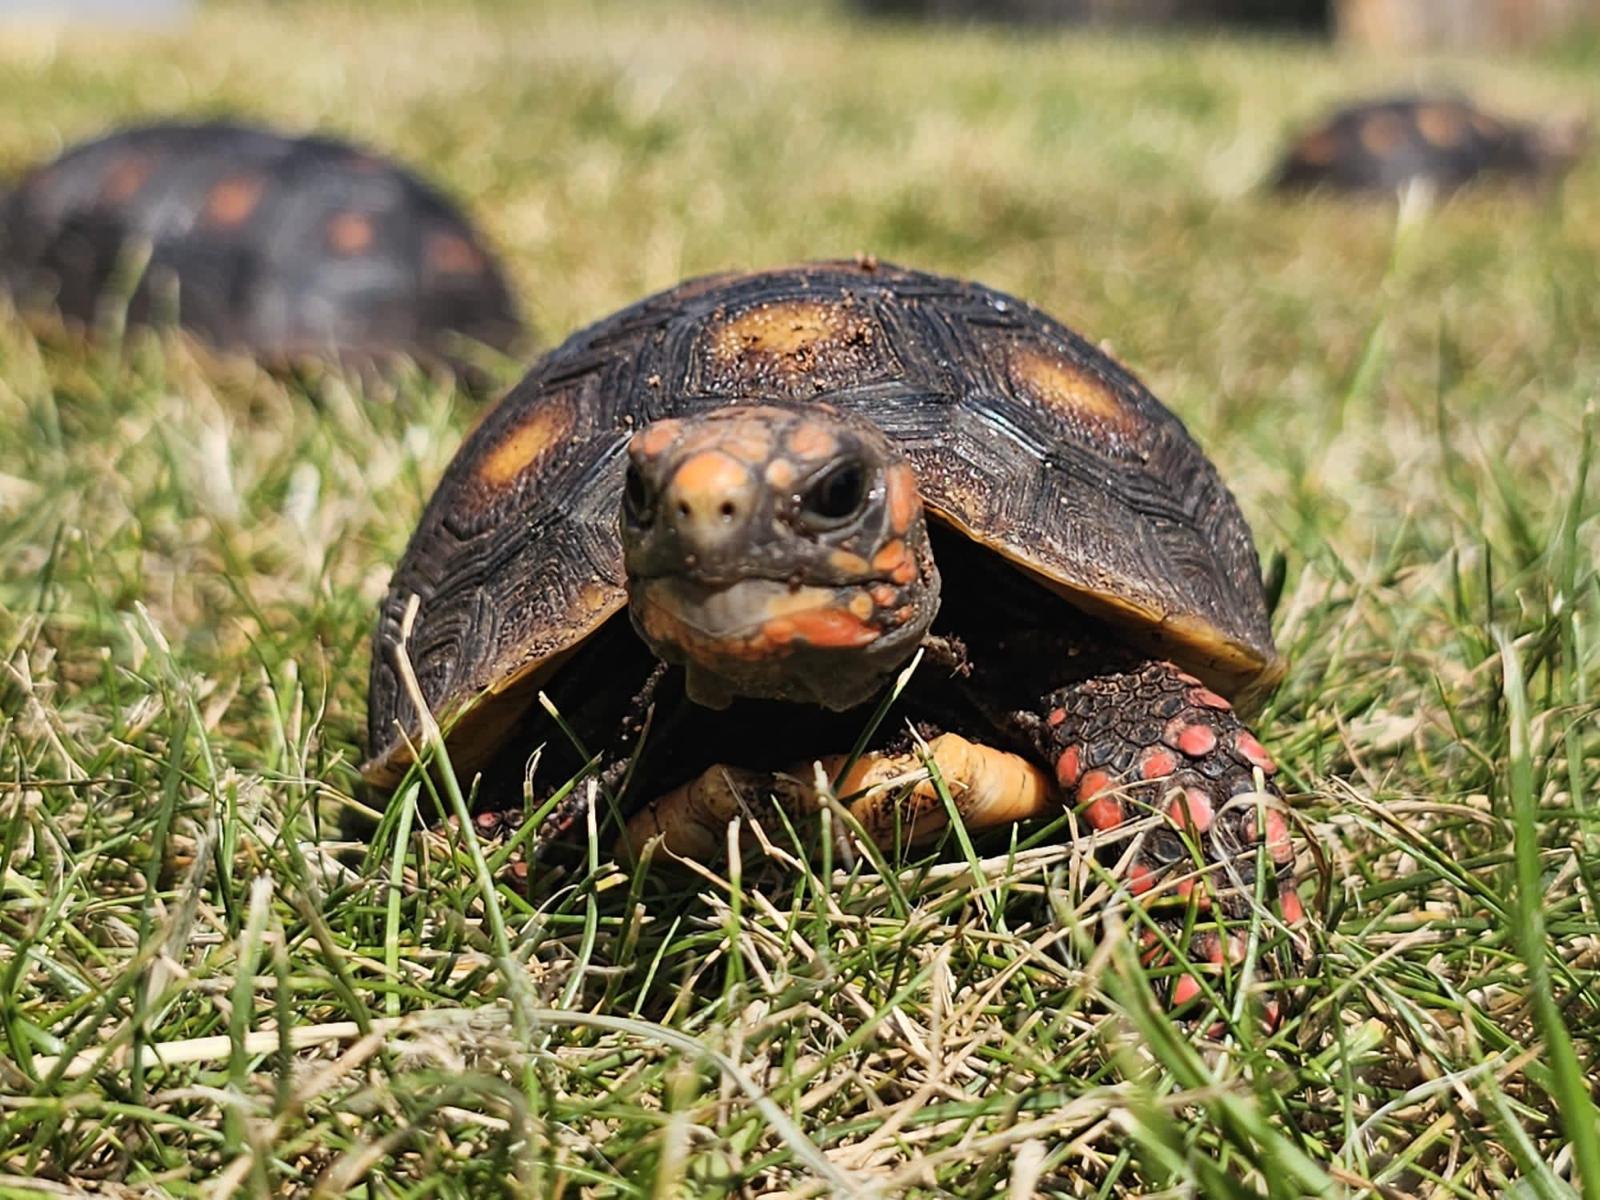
(204,991)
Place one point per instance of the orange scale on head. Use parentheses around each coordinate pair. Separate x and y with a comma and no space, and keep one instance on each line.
(708,475)
(891,559)
(902,497)
(654,440)
(832,628)
(810,440)
(848,563)
(781,474)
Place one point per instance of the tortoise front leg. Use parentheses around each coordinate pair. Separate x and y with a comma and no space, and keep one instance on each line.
(886,793)
(1154,739)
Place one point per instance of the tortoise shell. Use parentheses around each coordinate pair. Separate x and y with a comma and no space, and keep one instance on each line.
(274,245)
(1382,145)
(1023,436)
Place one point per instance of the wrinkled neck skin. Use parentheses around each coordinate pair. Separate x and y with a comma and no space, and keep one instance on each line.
(776,554)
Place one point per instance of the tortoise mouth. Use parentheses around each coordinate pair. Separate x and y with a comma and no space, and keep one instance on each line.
(748,617)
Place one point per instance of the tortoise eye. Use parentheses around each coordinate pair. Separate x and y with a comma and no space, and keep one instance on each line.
(837,496)
(636,498)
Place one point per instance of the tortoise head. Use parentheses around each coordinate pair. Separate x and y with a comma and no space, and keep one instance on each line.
(776,554)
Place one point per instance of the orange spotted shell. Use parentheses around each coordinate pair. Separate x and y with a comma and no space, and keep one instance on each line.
(1023,436)
(282,247)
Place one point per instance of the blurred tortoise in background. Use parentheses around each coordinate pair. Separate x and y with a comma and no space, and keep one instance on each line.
(1383,145)
(277,246)
(793,479)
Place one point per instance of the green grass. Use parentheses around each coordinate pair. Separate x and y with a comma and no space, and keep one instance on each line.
(190,559)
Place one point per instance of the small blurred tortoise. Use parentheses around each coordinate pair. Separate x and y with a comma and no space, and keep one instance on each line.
(1442,141)
(793,479)
(280,247)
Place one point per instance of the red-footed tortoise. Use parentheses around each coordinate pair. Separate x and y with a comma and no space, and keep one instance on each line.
(282,247)
(1443,141)
(791,480)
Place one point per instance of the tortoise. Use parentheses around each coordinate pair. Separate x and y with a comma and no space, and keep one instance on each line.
(750,499)
(284,247)
(1444,141)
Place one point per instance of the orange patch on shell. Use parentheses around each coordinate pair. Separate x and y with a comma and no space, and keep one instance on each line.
(124,179)
(1071,391)
(902,489)
(525,445)
(231,201)
(452,254)
(1442,125)
(783,329)
(1383,133)
(350,233)
(1318,148)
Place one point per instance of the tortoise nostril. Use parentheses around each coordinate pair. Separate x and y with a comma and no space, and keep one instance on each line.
(727,509)
(683,508)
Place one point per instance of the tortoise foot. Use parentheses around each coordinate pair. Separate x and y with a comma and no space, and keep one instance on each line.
(893,796)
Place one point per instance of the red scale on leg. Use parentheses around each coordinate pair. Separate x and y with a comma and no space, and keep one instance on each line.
(1253,751)
(1068,767)
(1104,809)
(1195,740)
(1057,715)
(1206,698)
(1191,807)
(1272,827)
(1140,879)
(1289,902)
(1157,764)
